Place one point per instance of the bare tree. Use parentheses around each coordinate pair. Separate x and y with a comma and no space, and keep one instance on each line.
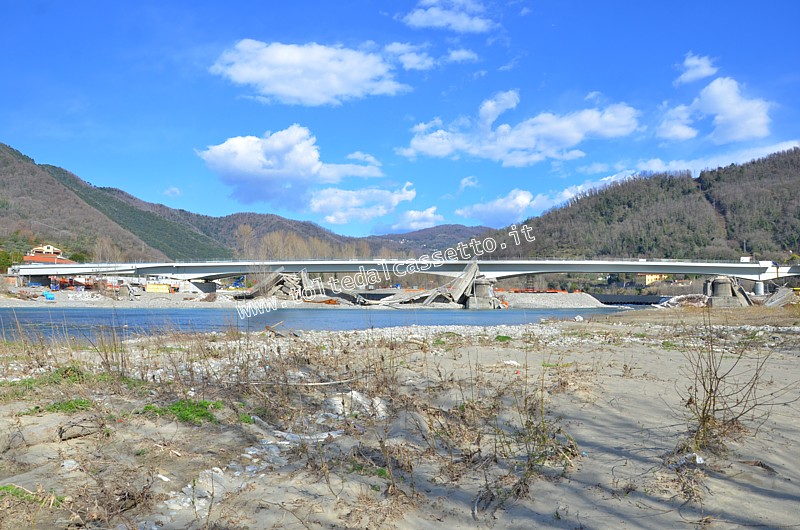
(244,237)
(105,251)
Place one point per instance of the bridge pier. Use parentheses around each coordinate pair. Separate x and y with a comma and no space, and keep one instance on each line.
(482,296)
(725,292)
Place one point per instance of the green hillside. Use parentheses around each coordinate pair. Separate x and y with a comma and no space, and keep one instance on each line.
(744,209)
(749,209)
(760,202)
(177,241)
(37,208)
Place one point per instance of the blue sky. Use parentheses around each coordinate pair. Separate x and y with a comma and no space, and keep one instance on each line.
(376,117)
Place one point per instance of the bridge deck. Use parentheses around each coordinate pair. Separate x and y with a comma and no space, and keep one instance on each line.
(386,268)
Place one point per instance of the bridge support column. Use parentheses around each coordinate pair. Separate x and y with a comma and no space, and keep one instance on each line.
(482,296)
(758,289)
(724,292)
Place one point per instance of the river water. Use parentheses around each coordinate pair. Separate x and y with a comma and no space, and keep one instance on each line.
(85,323)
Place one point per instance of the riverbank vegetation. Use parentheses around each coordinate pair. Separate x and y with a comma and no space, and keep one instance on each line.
(565,423)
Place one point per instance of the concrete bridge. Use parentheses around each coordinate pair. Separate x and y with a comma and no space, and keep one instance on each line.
(381,270)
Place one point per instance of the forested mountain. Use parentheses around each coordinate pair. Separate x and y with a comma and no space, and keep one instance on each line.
(759,201)
(41,203)
(36,208)
(725,213)
(176,240)
(434,238)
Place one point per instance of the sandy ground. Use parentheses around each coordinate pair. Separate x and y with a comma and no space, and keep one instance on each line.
(553,425)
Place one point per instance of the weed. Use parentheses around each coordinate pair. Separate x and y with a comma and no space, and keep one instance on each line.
(724,388)
(188,411)
(40,498)
(66,407)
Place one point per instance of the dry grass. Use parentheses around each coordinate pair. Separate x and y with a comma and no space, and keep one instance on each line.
(441,411)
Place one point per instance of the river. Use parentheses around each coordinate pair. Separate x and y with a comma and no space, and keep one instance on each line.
(85,323)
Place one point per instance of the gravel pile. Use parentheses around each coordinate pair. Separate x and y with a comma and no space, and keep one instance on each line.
(551,300)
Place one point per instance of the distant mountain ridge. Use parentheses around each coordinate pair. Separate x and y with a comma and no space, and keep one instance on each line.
(46,202)
(724,213)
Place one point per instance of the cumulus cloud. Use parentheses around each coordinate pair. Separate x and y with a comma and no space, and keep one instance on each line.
(310,74)
(696,67)
(341,206)
(461,55)
(172,192)
(676,124)
(414,57)
(418,219)
(279,167)
(411,57)
(735,117)
(503,210)
(720,160)
(455,15)
(519,205)
(544,136)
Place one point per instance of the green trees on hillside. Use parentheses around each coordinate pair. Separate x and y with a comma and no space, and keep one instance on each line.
(751,209)
(760,203)
(173,239)
(662,215)
(5,261)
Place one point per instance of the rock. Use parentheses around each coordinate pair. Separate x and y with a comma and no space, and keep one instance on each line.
(354,403)
(79,429)
(69,465)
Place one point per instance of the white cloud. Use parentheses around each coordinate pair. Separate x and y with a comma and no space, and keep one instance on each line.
(172,192)
(343,206)
(544,136)
(593,96)
(454,15)
(570,192)
(411,56)
(364,157)
(503,210)
(491,109)
(712,162)
(468,182)
(414,56)
(462,55)
(279,167)
(696,67)
(519,205)
(736,118)
(510,65)
(675,125)
(309,74)
(418,219)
